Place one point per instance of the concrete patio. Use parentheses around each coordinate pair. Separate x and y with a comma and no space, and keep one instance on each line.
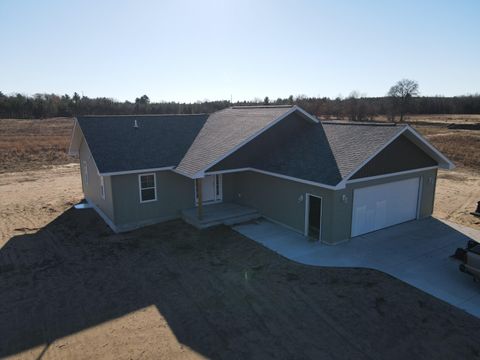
(220,213)
(417,252)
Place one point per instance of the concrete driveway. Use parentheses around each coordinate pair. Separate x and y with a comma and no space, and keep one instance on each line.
(417,252)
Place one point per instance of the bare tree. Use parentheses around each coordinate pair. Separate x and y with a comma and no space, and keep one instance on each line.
(400,93)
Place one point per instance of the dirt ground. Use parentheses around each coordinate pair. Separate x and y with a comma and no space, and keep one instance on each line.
(456,196)
(70,288)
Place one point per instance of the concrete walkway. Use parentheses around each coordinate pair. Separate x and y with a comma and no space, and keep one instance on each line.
(417,252)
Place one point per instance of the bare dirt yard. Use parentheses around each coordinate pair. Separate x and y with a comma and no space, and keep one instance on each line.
(70,288)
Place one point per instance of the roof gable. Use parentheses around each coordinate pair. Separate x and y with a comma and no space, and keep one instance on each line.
(293,148)
(401,155)
(226,131)
(158,141)
(352,144)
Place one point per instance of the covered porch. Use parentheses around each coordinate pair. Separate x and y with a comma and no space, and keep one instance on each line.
(227,213)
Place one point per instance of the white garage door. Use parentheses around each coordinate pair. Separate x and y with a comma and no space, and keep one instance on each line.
(376,207)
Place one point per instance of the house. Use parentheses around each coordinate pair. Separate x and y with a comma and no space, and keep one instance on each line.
(328,180)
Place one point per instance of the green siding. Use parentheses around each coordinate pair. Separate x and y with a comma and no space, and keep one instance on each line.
(284,200)
(174,193)
(91,190)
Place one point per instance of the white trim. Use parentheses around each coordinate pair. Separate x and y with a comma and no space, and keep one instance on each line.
(140,187)
(227,171)
(354,171)
(218,199)
(450,164)
(391,175)
(70,152)
(370,186)
(102,187)
(136,171)
(419,195)
(307,214)
(294,108)
(291,178)
(85,172)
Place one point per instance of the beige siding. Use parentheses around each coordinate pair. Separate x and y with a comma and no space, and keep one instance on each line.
(91,190)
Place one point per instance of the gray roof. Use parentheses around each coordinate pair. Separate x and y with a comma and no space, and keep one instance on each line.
(324,153)
(352,143)
(159,141)
(224,131)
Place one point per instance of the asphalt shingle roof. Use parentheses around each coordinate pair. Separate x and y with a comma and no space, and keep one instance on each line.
(159,141)
(352,143)
(324,152)
(223,131)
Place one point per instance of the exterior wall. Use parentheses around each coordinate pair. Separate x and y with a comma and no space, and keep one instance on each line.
(343,212)
(401,155)
(174,193)
(284,200)
(91,190)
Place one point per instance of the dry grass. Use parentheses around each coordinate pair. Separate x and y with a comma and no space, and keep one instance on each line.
(31,144)
(460,146)
(438,118)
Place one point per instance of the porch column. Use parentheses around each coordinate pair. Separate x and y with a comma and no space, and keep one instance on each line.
(200,199)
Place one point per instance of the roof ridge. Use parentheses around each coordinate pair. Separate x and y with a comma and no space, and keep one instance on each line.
(140,115)
(260,106)
(330,122)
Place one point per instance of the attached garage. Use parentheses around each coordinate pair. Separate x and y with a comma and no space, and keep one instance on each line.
(377,207)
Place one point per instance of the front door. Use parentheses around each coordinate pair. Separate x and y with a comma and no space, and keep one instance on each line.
(211,188)
(314,217)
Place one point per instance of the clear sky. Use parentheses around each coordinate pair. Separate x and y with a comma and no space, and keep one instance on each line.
(197,50)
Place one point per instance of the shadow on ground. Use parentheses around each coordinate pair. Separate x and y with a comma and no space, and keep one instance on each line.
(221,294)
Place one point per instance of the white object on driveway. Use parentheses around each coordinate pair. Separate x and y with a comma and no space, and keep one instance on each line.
(417,252)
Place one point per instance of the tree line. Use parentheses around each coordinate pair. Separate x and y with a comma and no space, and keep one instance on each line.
(354,107)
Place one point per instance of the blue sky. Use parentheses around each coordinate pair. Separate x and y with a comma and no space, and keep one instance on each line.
(197,50)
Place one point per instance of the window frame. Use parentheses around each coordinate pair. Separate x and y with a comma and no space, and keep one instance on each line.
(102,187)
(140,187)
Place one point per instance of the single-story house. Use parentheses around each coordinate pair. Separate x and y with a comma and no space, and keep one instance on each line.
(328,180)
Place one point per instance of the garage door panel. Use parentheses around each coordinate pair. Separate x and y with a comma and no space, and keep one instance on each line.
(380,206)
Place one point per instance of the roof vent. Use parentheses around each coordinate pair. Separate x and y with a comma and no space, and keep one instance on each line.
(135,124)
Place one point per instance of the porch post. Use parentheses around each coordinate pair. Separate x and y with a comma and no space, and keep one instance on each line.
(200,199)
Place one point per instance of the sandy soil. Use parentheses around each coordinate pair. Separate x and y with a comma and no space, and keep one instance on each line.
(70,289)
(456,196)
(31,199)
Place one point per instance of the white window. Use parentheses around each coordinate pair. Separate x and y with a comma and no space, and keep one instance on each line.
(148,187)
(102,188)
(85,173)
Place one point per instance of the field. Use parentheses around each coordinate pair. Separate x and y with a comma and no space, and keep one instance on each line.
(33,144)
(71,289)
(43,143)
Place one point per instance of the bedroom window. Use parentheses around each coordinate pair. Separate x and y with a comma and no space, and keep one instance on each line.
(148,187)
(102,188)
